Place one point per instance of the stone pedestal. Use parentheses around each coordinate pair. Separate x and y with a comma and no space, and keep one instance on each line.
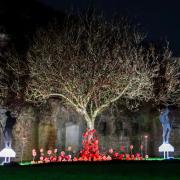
(7,153)
(166,148)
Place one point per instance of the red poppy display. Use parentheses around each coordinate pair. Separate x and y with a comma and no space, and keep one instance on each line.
(90,152)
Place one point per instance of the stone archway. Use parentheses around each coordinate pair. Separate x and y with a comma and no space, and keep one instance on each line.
(70,127)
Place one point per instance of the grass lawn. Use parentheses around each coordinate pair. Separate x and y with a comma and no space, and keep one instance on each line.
(145,170)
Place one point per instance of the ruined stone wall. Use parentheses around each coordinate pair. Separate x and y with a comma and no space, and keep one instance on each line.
(25,136)
(50,127)
(113,131)
(137,128)
(45,128)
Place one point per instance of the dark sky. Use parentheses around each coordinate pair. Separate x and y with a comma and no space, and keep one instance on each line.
(160,18)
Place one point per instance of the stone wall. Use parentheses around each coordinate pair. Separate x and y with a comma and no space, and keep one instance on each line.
(53,125)
(44,128)
(25,136)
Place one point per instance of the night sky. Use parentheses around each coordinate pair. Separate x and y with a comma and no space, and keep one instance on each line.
(159,18)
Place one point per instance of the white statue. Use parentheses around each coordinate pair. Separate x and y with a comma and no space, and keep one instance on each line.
(164,119)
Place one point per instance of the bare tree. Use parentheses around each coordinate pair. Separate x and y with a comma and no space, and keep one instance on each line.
(167,83)
(3,85)
(4,39)
(13,78)
(91,63)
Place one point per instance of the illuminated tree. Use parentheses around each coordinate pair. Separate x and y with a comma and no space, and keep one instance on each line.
(3,74)
(3,86)
(13,77)
(91,63)
(167,82)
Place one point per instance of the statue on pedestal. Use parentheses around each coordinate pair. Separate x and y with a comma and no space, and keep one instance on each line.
(166,147)
(7,122)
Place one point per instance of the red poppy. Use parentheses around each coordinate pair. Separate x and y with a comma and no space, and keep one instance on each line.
(59,158)
(75,159)
(41,158)
(104,158)
(138,154)
(49,152)
(110,150)
(62,153)
(96,142)
(132,156)
(131,146)
(141,146)
(41,150)
(116,154)
(128,155)
(34,153)
(55,150)
(109,158)
(122,148)
(121,156)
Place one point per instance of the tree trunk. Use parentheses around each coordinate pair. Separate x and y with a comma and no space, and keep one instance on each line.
(90,124)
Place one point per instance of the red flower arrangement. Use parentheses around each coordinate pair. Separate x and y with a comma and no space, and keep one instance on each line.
(89,152)
(90,146)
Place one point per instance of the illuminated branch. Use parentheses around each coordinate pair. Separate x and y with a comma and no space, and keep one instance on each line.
(92,63)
